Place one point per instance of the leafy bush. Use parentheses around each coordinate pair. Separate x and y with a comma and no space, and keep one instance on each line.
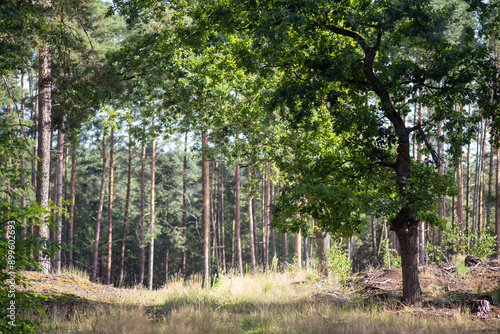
(390,257)
(337,260)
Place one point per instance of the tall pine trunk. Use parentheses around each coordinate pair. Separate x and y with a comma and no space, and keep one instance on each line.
(152,209)
(237,195)
(265,219)
(497,206)
(59,192)
(206,210)
(184,207)
(72,206)
(127,206)
(142,253)
(43,147)
(481,184)
(253,259)
(95,257)
(110,206)
(490,186)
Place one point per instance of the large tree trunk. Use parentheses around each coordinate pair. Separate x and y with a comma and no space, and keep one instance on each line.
(59,192)
(152,210)
(237,195)
(127,205)
(206,210)
(142,253)
(44,135)
(72,205)
(95,257)
(184,207)
(110,206)
(322,243)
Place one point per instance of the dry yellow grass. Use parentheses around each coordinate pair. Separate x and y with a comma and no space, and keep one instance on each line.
(261,303)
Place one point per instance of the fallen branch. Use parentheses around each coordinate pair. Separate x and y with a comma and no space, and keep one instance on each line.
(447,273)
(383,282)
(475,267)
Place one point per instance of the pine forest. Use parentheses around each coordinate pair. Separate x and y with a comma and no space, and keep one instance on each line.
(242,166)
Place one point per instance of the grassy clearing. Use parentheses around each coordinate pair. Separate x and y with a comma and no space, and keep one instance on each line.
(263,303)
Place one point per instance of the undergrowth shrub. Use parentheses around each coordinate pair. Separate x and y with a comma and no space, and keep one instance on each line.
(337,260)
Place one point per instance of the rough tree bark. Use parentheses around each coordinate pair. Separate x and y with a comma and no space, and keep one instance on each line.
(43,147)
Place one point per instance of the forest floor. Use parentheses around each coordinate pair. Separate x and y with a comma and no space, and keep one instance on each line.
(276,302)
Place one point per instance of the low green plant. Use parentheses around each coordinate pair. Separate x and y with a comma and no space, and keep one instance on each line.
(457,242)
(337,261)
(435,253)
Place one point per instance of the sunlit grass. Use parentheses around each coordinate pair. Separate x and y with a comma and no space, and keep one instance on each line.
(261,303)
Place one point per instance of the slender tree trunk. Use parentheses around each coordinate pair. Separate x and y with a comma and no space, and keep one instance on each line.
(152,209)
(273,231)
(167,244)
(72,206)
(222,215)
(306,253)
(44,136)
(237,195)
(481,184)
(59,192)
(490,186)
(421,226)
(206,211)
(95,258)
(297,251)
(476,188)
(110,206)
(467,199)
(250,231)
(127,206)
(184,206)
(285,248)
(460,206)
(374,237)
(23,161)
(142,253)
(441,198)
(265,220)
(215,253)
(497,205)
(255,224)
